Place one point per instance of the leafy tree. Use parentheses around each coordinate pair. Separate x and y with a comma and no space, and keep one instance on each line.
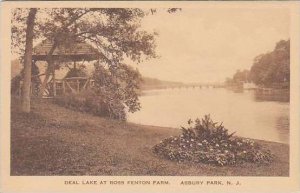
(272,68)
(115,32)
(117,88)
(238,78)
(241,76)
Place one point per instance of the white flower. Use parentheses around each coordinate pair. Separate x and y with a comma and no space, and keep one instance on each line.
(244,152)
(217,145)
(192,139)
(200,144)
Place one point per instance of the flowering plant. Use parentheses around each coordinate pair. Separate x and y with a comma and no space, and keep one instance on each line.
(209,142)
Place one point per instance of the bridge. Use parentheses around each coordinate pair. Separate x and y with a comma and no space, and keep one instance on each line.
(188,86)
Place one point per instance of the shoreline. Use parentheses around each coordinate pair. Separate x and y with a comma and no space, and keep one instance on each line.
(172,128)
(53,140)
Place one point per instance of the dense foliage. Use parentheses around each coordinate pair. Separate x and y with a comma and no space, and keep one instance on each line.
(86,102)
(117,35)
(210,143)
(76,72)
(238,78)
(273,67)
(116,32)
(114,92)
(118,84)
(35,81)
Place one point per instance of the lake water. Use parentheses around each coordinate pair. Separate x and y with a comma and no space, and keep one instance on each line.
(240,112)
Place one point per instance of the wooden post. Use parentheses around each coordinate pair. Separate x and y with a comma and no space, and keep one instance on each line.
(78,86)
(74,64)
(64,86)
(30,88)
(20,88)
(54,82)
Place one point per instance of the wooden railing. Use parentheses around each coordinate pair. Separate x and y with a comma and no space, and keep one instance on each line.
(60,87)
(71,85)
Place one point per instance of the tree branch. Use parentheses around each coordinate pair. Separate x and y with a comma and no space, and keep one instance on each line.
(76,18)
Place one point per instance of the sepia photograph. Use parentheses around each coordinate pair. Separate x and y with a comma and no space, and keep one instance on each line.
(119,91)
(162,91)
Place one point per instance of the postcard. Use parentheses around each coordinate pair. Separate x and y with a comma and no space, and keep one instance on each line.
(150,96)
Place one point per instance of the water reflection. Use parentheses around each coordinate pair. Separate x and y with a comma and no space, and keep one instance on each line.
(282,126)
(239,111)
(272,95)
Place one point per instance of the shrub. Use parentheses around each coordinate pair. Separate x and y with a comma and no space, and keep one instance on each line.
(118,86)
(15,85)
(115,90)
(209,142)
(76,72)
(89,102)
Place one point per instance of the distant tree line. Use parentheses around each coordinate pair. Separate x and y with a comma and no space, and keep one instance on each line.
(238,78)
(270,69)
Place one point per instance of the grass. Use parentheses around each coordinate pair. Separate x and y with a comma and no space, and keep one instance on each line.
(52,140)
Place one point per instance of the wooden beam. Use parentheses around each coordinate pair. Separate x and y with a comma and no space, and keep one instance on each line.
(78,89)
(72,90)
(38,75)
(83,61)
(86,83)
(64,86)
(31,92)
(54,82)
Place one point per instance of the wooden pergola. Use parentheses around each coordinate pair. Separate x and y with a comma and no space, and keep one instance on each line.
(74,52)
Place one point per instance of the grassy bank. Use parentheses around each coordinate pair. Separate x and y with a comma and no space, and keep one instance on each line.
(53,140)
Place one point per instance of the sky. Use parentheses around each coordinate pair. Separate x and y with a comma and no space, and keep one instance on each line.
(208,45)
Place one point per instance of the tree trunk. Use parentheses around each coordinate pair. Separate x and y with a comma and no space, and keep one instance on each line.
(25,105)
